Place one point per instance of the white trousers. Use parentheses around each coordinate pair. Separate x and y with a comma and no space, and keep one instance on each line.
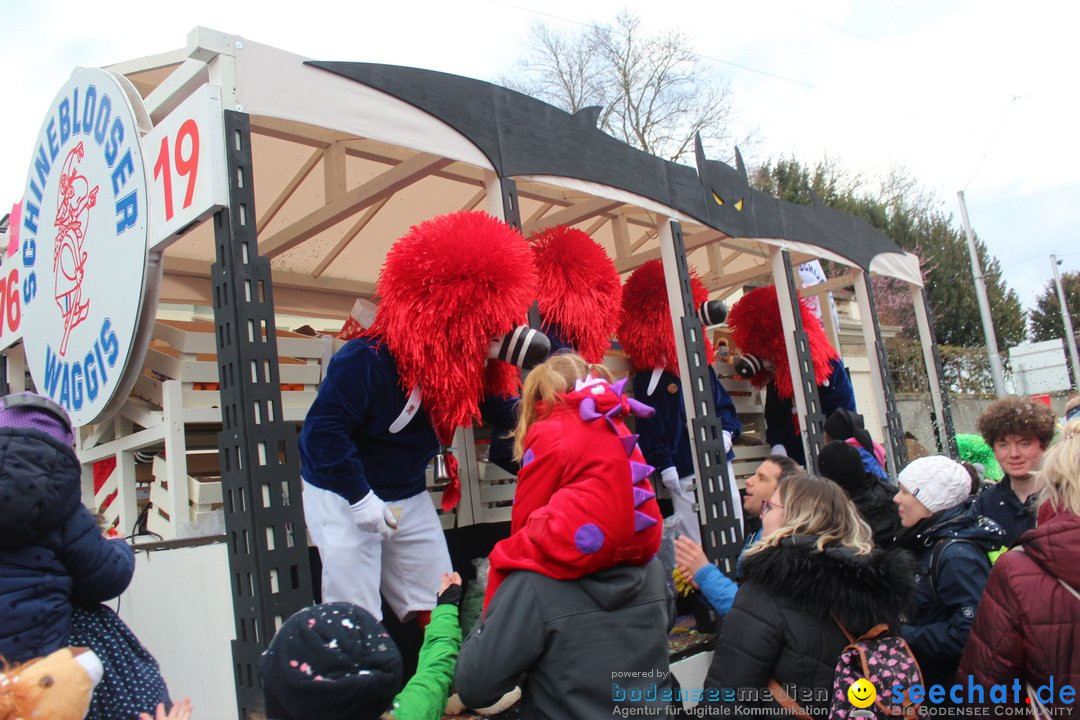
(357,564)
(687,521)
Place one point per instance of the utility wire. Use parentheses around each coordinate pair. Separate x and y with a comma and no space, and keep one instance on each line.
(993,138)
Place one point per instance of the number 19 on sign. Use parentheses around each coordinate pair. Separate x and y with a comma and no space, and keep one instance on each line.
(187,150)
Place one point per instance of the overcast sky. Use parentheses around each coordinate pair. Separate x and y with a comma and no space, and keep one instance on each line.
(979,96)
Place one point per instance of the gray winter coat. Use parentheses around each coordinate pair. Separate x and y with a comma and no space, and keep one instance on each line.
(584,644)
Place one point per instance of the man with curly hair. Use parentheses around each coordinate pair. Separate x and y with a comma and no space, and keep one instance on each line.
(1018,430)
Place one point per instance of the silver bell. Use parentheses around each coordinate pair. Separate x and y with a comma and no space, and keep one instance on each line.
(442,470)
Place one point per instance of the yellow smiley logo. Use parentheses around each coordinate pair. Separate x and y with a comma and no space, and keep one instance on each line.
(861,693)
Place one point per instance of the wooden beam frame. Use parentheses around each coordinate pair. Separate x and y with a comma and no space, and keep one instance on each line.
(347,238)
(352,202)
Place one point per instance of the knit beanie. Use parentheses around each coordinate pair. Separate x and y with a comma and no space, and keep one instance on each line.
(36,412)
(937,482)
(333,662)
(840,462)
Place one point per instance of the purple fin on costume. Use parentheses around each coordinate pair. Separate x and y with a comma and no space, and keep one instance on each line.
(587,410)
(620,387)
(589,538)
(528,457)
(639,471)
(640,409)
(611,424)
(643,521)
(629,442)
(641,495)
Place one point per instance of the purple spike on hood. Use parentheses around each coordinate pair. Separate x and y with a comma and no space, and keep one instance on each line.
(639,471)
(587,410)
(642,496)
(620,387)
(640,409)
(643,521)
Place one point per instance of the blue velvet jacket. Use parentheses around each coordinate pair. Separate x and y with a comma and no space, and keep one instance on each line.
(346,445)
(665,440)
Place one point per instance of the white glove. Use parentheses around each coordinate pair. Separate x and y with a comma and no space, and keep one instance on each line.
(779,450)
(372,515)
(669,477)
(727,441)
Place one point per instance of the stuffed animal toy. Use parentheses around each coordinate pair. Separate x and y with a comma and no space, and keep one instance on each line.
(759,336)
(58,686)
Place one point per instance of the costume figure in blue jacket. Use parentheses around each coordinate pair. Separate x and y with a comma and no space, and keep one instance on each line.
(781,417)
(52,553)
(451,292)
(649,341)
(758,333)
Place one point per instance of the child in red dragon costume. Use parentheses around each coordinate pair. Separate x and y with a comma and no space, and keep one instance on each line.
(584,501)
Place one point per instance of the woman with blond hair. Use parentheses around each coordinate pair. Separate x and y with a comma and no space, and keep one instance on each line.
(814,569)
(1028,626)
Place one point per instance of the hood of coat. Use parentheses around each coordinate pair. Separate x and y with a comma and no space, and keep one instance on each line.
(955,522)
(40,485)
(617,586)
(1055,545)
(860,590)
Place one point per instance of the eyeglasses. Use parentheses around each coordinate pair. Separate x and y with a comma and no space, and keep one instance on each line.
(766,506)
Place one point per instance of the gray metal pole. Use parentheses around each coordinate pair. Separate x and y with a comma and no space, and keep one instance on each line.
(996,370)
(1070,337)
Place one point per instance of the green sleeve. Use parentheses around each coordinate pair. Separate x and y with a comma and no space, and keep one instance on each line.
(424,696)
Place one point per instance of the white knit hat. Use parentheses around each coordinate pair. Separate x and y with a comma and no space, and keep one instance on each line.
(936,481)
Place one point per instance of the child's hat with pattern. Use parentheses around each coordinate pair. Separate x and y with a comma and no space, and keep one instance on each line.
(330,661)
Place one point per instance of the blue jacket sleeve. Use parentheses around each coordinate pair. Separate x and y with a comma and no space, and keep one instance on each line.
(501,414)
(655,433)
(328,453)
(838,393)
(725,409)
(962,578)
(100,569)
(717,588)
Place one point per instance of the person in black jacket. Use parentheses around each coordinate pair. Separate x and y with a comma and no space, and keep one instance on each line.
(840,462)
(51,550)
(814,562)
(951,549)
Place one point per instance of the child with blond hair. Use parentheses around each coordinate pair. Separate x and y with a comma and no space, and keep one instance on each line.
(584,501)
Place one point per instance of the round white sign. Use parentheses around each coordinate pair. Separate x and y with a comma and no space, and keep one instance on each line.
(83,245)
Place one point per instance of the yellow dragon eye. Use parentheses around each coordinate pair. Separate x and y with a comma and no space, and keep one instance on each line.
(738,205)
(719,200)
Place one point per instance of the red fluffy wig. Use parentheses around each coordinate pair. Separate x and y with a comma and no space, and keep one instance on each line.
(645,328)
(756,329)
(448,287)
(578,289)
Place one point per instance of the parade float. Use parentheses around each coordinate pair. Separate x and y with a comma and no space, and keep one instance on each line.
(197,226)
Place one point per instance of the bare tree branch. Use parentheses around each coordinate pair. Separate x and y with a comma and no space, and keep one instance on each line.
(656,94)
